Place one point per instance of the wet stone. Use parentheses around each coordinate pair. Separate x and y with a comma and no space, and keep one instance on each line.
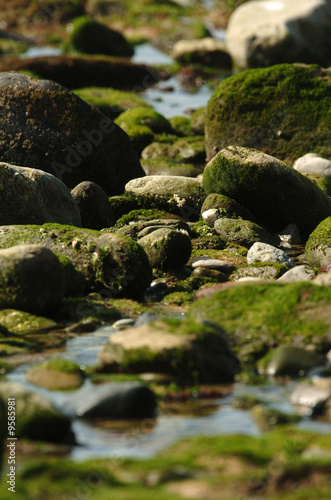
(219,265)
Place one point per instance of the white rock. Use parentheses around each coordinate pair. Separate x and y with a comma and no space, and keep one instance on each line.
(262,252)
(298,273)
(210,216)
(312,163)
(259,30)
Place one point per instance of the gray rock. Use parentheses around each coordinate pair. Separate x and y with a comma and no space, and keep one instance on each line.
(267,33)
(220,265)
(210,216)
(48,127)
(204,272)
(93,204)
(268,272)
(262,252)
(293,361)
(323,279)
(31,279)
(308,399)
(207,51)
(290,236)
(122,400)
(312,163)
(145,318)
(183,192)
(298,273)
(36,418)
(31,196)
(243,232)
(142,228)
(167,248)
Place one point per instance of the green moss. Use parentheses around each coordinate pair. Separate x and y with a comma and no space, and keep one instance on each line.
(320,237)
(178,298)
(249,108)
(140,215)
(257,317)
(156,122)
(21,323)
(111,102)
(181,125)
(59,365)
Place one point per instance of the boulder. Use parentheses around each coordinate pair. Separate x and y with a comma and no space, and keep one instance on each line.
(192,351)
(31,196)
(93,204)
(167,248)
(298,273)
(141,228)
(242,232)
(46,126)
(123,400)
(56,374)
(105,261)
(206,51)
(184,193)
(91,37)
(290,360)
(263,33)
(21,323)
(318,247)
(268,109)
(36,418)
(31,279)
(226,207)
(74,71)
(262,252)
(276,193)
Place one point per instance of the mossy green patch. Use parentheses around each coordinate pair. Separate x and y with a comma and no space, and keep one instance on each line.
(257,317)
(19,322)
(283,110)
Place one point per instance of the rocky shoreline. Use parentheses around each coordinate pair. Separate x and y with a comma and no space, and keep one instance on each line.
(112,214)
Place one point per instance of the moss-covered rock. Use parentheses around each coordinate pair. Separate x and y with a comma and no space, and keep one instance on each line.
(181,125)
(318,247)
(243,232)
(289,360)
(165,166)
(263,270)
(57,132)
(258,317)
(167,248)
(111,102)
(56,374)
(206,51)
(226,207)
(36,417)
(143,226)
(31,278)
(185,150)
(273,191)
(282,110)
(92,37)
(21,323)
(192,351)
(107,261)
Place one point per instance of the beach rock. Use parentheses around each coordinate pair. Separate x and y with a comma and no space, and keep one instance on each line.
(100,261)
(298,273)
(218,264)
(140,229)
(262,252)
(92,37)
(93,204)
(312,163)
(210,216)
(189,350)
(267,272)
(31,196)
(206,51)
(147,117)
(75,71)
(318,247)
(266,33)
(165,166)
(36,417)
(56,374)
(272,190)
(46,126)
(243,232)
(184,193)
(259,109)
(184,150)
(226,207)
(290,360)
(258,317)
(117,401)
(196,278)
(21,323)
(167,248)
(31,279)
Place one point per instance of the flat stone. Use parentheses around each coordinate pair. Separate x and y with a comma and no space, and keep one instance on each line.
(262,252)
(220,265)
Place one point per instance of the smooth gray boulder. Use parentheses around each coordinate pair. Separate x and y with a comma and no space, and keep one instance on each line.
(265,32)
(243,232)
(262,252)
(207,51)
(312,163)
(31,196)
